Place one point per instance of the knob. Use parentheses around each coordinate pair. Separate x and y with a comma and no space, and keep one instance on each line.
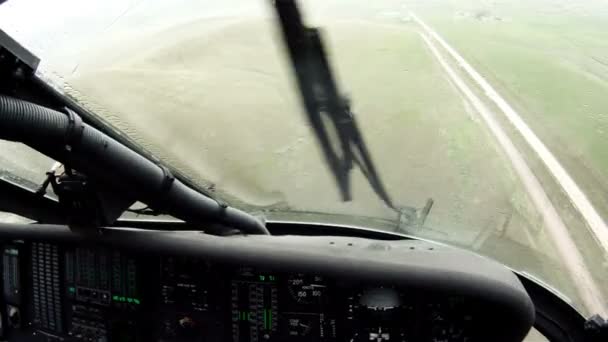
(14,317)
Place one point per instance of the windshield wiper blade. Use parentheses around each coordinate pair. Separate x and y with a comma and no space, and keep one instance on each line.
(323,102)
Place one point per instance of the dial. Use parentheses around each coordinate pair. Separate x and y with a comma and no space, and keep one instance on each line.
(305,289)
(300,326)
(307,327)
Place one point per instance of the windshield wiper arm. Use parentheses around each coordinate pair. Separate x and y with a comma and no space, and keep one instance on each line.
(323,103)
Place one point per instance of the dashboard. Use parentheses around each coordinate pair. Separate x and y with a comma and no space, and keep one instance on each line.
(194,287)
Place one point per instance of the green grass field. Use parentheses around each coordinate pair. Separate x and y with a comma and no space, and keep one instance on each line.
(550,61)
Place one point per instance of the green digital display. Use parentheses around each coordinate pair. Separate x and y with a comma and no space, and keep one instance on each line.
(267,319)
(122,299)
(269,278)
(244,315)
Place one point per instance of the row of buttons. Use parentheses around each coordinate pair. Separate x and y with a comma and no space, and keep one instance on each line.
(46,290)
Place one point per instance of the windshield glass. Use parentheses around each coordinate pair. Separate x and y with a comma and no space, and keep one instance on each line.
(494,109)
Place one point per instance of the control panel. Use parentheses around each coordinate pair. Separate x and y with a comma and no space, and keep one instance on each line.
(266,306)
(187,312)
(57,292)
(46,288)
(101,292)
(77,293)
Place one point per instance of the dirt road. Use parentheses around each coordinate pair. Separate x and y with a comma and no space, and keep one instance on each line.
(557,231)
(577,197)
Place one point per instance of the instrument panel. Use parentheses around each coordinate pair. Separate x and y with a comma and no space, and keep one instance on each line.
(62,292)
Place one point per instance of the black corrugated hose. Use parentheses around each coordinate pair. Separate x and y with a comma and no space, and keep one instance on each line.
(67,139)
